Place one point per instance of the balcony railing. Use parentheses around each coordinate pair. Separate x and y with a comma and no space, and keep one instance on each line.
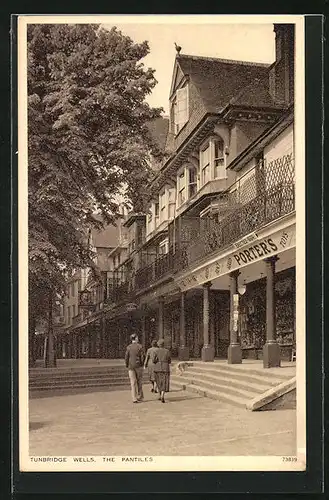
(263,195)
(155,271)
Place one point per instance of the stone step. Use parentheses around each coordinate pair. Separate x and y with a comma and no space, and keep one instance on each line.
(245,372)
(79,376)
(219,387)
(244,384)
(258,379)
(218,395)
(59,386)
(75,371)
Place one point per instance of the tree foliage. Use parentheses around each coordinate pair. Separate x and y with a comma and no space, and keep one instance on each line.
(87,135)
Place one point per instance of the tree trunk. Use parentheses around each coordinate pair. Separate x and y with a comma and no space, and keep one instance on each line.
(50,355)
(32,342)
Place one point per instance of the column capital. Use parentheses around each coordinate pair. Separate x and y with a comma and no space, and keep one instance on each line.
(208,284)
(270,260)
(234,274)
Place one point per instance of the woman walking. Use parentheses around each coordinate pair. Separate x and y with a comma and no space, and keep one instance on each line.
(150,365)
(162,361)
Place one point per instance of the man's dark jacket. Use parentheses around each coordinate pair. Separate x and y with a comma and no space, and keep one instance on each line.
(134,357)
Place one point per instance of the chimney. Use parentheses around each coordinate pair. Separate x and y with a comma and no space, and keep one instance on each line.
(282,72)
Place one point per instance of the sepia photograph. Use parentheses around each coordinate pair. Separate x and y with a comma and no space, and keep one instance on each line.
(161,179)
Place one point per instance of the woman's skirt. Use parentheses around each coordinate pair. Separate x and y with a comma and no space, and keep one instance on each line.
(151,373)
(162,380)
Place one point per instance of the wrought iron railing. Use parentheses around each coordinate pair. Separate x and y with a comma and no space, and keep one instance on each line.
(155,271)
(264,194)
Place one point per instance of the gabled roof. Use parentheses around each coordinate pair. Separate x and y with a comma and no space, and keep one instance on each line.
(219,80)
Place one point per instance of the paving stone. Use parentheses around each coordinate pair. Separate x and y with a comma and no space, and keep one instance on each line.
(101,423)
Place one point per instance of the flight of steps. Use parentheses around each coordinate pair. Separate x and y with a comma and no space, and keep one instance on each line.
(228,383)
(80,378)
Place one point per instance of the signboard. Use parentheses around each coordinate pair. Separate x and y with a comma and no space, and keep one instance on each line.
(246,240)
(268,246)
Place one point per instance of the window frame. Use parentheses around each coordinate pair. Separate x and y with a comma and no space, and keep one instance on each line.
(181,187)
(176,123)
(203,166)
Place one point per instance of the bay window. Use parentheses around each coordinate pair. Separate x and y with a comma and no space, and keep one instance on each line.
(219,162)
(192,181)
(205,164)
(181,188)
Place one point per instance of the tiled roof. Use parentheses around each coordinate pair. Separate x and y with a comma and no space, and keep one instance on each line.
(219,80)
(256,94)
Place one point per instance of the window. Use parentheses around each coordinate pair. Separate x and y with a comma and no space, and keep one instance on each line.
(69,314)
(163,206)
(179,110)
(192,181)
(73,289)
(139,235)
(181,188)
(73,310)
(219,160)
(205,165)
(163,247)
(156,209)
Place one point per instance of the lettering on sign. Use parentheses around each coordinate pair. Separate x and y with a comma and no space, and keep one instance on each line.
(279,241)
(248,239)
(284,239)
(218,268)
(254,252)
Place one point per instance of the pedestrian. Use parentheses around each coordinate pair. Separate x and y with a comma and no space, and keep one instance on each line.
(150,365)
(162,361)
(134,359)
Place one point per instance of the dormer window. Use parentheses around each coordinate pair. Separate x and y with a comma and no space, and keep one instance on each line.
(179,110)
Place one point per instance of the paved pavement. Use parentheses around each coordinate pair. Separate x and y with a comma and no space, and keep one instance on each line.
(107,423)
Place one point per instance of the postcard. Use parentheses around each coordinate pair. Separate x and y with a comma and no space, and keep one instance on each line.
(161,193)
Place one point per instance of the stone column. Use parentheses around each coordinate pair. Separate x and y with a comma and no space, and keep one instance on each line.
(234,353)
(183,350)
(271,349)
(160,319)
(207,352)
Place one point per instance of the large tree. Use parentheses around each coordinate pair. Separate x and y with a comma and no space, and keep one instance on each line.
(87,136)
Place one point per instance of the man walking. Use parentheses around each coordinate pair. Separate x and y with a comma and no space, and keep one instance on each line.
(134,359)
